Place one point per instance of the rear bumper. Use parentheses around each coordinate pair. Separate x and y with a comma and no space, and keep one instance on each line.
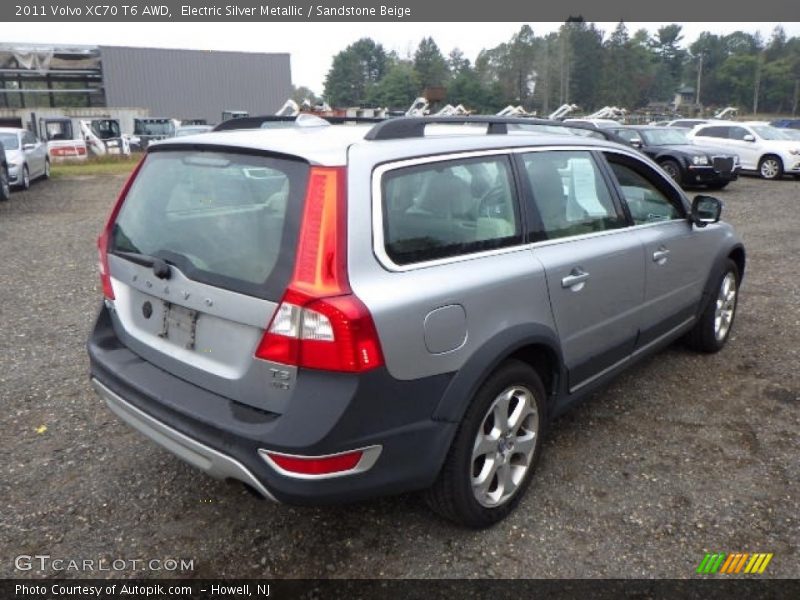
(205,458)
(330,413)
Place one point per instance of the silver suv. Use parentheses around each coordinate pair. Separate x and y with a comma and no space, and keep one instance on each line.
(329,313)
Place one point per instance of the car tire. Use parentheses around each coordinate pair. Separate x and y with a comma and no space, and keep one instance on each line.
(713,328)
(770,167)
(673,169)
(26,178)
(46,174)
(5,188)
(491,460)
(719,185)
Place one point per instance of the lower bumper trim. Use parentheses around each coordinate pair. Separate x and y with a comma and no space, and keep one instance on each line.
(212,462)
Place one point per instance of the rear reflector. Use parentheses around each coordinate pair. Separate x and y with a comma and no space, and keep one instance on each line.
(302,465)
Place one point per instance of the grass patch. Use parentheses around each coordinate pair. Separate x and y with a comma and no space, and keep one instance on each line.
(96,165)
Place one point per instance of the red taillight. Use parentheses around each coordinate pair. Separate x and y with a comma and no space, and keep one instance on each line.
(102,241)
(327,465)
(81,150)
(320,323)
(320,267)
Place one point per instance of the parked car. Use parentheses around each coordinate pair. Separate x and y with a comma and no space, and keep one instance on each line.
(26,155)
(334,313)
(761,147)
(185,130)
(786,123)
(5,187)
(599,123)
(685,163)
(686,123)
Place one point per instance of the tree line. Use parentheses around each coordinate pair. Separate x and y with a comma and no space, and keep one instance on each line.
(579,65)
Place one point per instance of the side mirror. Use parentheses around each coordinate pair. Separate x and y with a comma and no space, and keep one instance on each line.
(749,138)
(637,143)
(705,210)
(28,147)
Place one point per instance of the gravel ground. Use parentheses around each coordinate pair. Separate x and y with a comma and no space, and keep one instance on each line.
(683,455)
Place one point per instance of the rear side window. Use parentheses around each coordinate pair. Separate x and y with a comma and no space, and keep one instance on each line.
(449,208)
(222,218)
(570,194)
(715,131)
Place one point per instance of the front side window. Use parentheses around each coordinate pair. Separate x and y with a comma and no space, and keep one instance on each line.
(646,200)
(449,208)
(570,194)
(629,135)
(737,133)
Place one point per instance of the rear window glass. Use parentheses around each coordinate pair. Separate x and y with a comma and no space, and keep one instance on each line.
(449,208)
(222,218)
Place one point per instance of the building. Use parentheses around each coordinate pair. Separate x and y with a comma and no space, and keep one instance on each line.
(179,84)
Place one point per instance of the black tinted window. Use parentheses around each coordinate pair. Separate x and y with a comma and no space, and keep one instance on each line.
(449,208)
(715,131)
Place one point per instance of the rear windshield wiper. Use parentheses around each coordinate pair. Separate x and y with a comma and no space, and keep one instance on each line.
(159,265)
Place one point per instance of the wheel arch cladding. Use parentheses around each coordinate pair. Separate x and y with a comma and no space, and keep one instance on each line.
(534,344)
(737,255)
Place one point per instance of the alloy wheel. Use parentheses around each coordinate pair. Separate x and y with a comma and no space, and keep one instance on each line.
(504,446)
(770,168)
(726,305)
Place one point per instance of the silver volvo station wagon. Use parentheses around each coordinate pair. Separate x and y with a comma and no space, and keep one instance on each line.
(329,313)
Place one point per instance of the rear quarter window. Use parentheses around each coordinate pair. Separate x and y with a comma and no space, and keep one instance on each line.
(715,131)
(449,208)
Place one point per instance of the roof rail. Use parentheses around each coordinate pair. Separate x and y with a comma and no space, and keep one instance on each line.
(412,127)
(262,121)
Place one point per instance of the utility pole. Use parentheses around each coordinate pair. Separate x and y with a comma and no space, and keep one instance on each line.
(795,97)
(699,79)
(757,84)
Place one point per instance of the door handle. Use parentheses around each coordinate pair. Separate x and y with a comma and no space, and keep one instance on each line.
(660,256)
(575,280)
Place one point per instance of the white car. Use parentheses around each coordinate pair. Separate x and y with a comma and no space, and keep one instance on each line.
(599,123)
(761,147)
(26,155)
